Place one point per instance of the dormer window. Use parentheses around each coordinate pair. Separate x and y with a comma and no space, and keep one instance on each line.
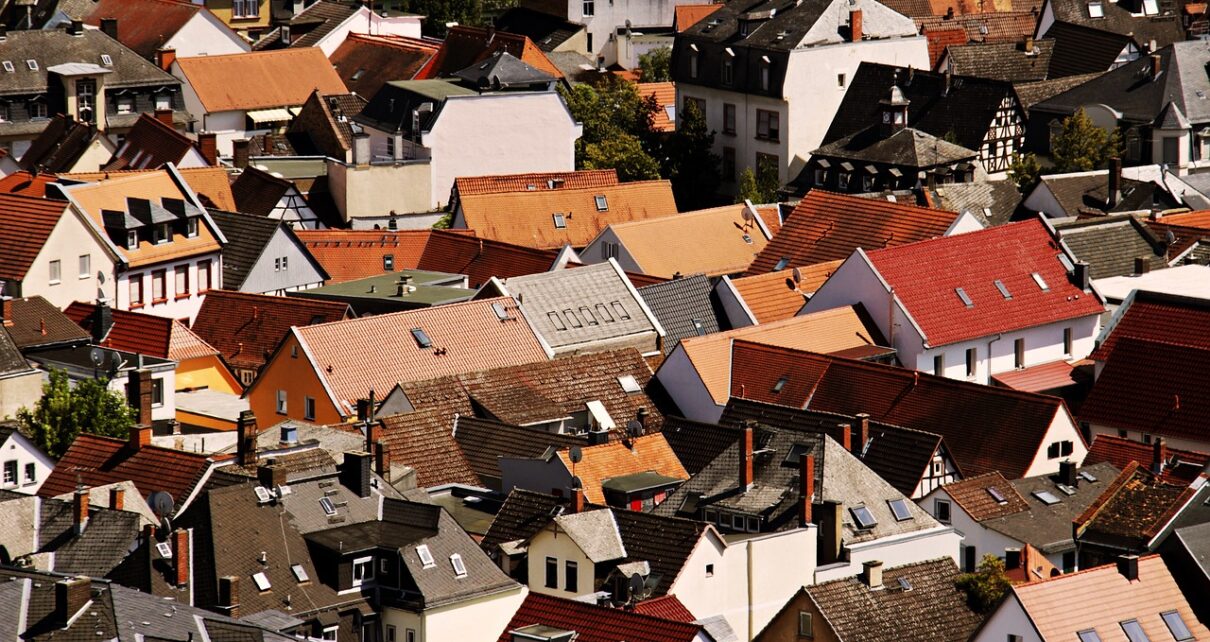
(1096,9)
(125,104)
(459,567)
(32,64)
(163,101)
(602,204)
(132,240)
(161,233)
(363,570)
(191,228)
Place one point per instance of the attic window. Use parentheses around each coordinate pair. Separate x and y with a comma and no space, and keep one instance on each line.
(1176,625)
(781,383)
(262,581)
(1089,635)
(1003,290)
(1040,281)
(357,74)
(422,340)
(459,567)
(997,495)
(698,327)
(556,320)
(300,573)
(8,66)
(1095,9)
(1134,631)
(781,264)
(32,64)
(602,204)
(1046,497)
(1087,476)
(326,504)
(426,558)
(966,299)
(900,508)
(106,60)
(629,384)
(864,518)
(560,221)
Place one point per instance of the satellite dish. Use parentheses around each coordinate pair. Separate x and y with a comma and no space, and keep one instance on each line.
(98,357)
(634,428)
(161,503)
(575,454)
(636,584)
(576,482)
(1170,238)
(747,214)
(797,274)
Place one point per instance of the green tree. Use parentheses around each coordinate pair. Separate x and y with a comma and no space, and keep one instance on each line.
(623,153)
(438,13)
(688,162)
(1081,146)
(65,411)
(617,128)
(1024,170)
(986,586)
(654,65)
(747,191)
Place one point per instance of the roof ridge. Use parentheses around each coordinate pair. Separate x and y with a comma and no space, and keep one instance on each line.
(416,312)
(163,449)
(567,190)
(1030,586)
(890,204)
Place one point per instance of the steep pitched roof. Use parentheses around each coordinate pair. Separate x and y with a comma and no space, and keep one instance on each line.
(59,145)
(992,202)
(1002,60)
(648,453)
(484,441)
(933,609)
(247,237)
(319,20)
(1179,465)
(145,25)
(502,70)
(348,255)
(210,184)
(927,275)
(550,219)
(145,334)
(775,296)
(593,623)
(150,144)
(974,495)
(366,62)
(466,45)
(906,148)
(1164,318)
(36,323)
(1122,18)
(354,356)
(27,224)
(246,328)
(23,183)
(1004,430)
(1110,244)
(991,26)
(826,226)
(687,15)
(52,47)
(424,440)
(481,259)
(523,514)
(258,192)
(260,79)
(684,307)
(716,241)
(535,181)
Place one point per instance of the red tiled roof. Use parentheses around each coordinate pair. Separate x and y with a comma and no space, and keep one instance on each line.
(348,255)
(144,25)
(665,96)
(1179,465)
(774,296)
(23,183)
(668,607)
(998,26)
(986,428)
(1152,387)
(1160,317)
(687,15)
(465,46)
(926,275)
(498,184)
(380,59)
(146,334)
(942,38)
(96,461)
(594,623)
(1040,378)
(246,328)
(25,224)
(480,259)
(826,226)
(150,144)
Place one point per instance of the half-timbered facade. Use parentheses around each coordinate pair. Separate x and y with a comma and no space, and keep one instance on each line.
(1004,137)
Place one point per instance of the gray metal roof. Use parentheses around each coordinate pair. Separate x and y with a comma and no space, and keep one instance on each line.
(685,308)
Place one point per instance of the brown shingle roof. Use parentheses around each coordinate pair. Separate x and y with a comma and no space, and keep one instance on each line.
(775,296)
(27,223)
(1179,465)
(260,79)
(246,328)
(424,440)
(974,496)
(38,323)
(150,144)
(1133,509)
(716,241)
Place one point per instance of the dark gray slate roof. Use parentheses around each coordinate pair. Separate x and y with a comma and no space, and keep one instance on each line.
(11,361)
(1032,93)
(521,516)
(682,306)
(1083,50)
(247,235)
(993,202)
(1089,192)
(1109,245)
(547,31)
(57,47)
(1165,28)
(909,147)
(1048,528)
(1002,60)
(502,71)
(697,444)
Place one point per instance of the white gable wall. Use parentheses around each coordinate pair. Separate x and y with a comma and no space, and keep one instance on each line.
(205,35)
(20,450)
(1008,620)
(684,385)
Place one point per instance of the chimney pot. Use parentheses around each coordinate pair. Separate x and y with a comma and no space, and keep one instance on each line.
(871,573)
(746,473)
(855,26)
(846,436)
(102,321)
(6,312)
(246,435)
(1082,276)
(239,153)
(1029,44)
(361,149)
(80,504)
(863,432)
(165,117)
(1157,65)
(1128,566)
(270,475)
(180,556)
(117,498)
(140,387)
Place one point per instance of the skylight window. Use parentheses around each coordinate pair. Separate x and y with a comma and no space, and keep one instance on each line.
(602,204)
(629,384)
(997,495)
(262,495)
(459,567)
(781,264)
(262,581)
(1095,9)
(422,340)
(572,318)
(556,320)
(794,457)
(781,383)
(300,573)
(905,584)
(426,558)
(966,299)
(32,64)
(747,239)
(900,508)
(501,313)
(8,66)
(620,310)
(164,550)
(1066,490)
(1134,631)
(1177,626)
(698,327)
(1087,476)
(560,221)
(1003,290)
(1046,497)
(1066,262)
(106,60)
(358,74)
(586,314)
(864,518)
(326,504)
(1040,281)
(1089,635)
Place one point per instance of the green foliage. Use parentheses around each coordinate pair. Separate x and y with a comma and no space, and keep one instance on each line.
(64,412)
(1081,146)
(1024,171)
(654,65)
(986,586)
(443,223)
(688,162)
(439,12)
(617,128)
(759,186)
(624,153)
(747,187)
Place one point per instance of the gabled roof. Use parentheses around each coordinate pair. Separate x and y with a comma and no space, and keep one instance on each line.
(776,296)
(926,277)
(258,192)
(145,25)
(328,132)
(1032,93)
(992,202)
(57,148)
(716,241)
(547,31)
(348,255)
(550,219)
(374,353)
(974,496)
(535,181)
(95,461)
(685,307)
(997,26)
(11,363)
(366,62)
(27,223)
(150,144)
(1002,60)
(248,236)
(687,15)
(52,47)
(1163,318)
(1081,50)
(484,441)
(466,45)
(1180,466)
(246,328)
(523,514)
(1101,598)
(502,70)
(1110,244)
(481,259)
(1004,429)
(210,184)
(424,440)
(38,323)
(934,608)
(909,148)
(826,226)
(600,463)
(1122,18)
(144,334)
(1084,193)
(593,623)
(260,79)
(318,20)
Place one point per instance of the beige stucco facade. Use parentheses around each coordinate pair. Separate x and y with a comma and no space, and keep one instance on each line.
(69,242)
(478,620)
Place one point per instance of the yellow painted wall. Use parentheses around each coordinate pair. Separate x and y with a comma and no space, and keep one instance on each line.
(202,421)
(207,372)
(222,9)
(296,376)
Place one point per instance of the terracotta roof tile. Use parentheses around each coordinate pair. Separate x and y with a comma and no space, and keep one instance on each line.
(150,144)
(209,183)
(348,255)
(594,623)
(943,38)
(464,46)
(367,62)
(1179,465)
(354,356)
(260,79)
(668,607)
(538,181)
(23,183)
(1199,218)
(1041,378)
(145,25)
(145,334)
(775,296)
(716,241)
(527,218)
(926,275)
(246,328)
(826,226)
(973,495)
(1159,317)
(1100,598)
(664,94)
(687,15)
(999,26)
(649,453)
(480,259)
(27,223)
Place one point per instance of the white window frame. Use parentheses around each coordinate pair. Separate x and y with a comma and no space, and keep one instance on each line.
(282,406)
(10,466)
(56,271)
(85,264)
(366,563)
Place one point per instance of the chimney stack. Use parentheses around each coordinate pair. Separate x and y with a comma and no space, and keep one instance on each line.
(164,58)
(355,472)
(239,153)
(871,573)
(180,557)
(641,416)
(1157,65)
(140,436)
(949,81)
(746,474)
(855,32)
(806,487)
(577,500)
(830,525)
(361,149)
(846,436)
(1159,456)
(1067,473)
(228,595)
(1141,265)
(270,475)
(382,461)
(1012,558)
(1029,45)
(139,389)
(1115,182)
(80,509)
(1081,275)
(76,28)
(71,595)
(207,145)
(102,321)
(6,312)
(109,27)
(246,438)
(863,433)
(1128,566)
(117,498)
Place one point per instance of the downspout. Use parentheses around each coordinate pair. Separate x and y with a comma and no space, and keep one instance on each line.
(989,357)
(751,597)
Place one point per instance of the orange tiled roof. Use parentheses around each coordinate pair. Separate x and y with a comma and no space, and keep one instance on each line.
(260,79)
(348,255)
(357,355)
(665,96)
(649,453)
(776,295)
(25,184)
(209,183)
(1200,218)
(535,181)
(827,331)
(25,224)
(973,496)
(246,327)
(715,241)
(154,186)
(527,218)
(1100,598)
(144,334)
(687,15)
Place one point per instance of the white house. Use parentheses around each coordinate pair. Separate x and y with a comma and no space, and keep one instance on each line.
(153,27)
(973,305)
(23,466)
(617,31)
(769,80)
(333,28)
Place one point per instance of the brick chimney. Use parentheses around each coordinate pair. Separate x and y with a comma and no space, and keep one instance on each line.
(1157,65)
(228,595)
(109,27)
(831,521)
(239,153)
(207,145)
(117,498)
(855,32)
(746,474)
(245,447)
(270,475)
(140,436)
(6,312)
(806,487)
(871,573)
(1115,182)
(80,510)
(180,557)
(1159,455)
(165,117)
(139,391)
(1067,473)
(863,433)
(1141,265)
(845,436)
(577,500)
(71,595)
(165,57)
